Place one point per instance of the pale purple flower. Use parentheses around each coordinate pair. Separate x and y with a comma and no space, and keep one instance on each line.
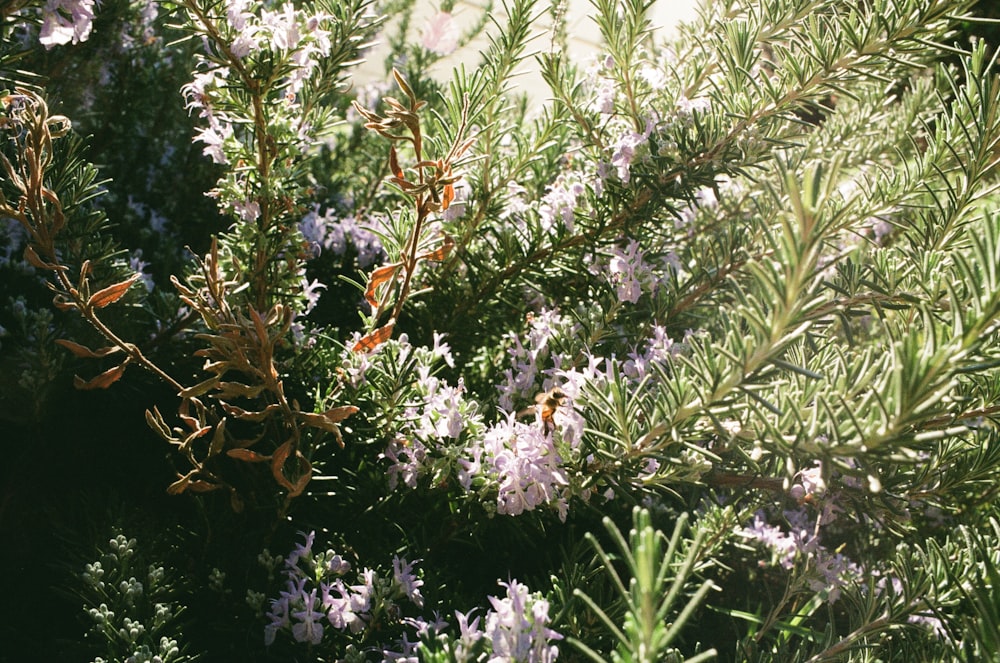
(301,550)
(881,228)
(407,461)
(444,412)
(198,92)
(686,108)
(525,465)
(558,206)
(239,18)
(828,571)
(361,599)
(515,201)
(654,76)
(65,21)
(247,210)
(278,614)
(604,99)
(932,623)
(137,264)
(144,28)
(283,26)
(784,546)
(407,653)
(338,235)
(402,572)
(214,136)
(311,290)
(336,564)
(809,482)
(835,571)
(442,350)
(520,378)
(355,365)
(308,628)
(469,466)
(624,153)
(339,611)
(237,13)
(244,44)
(440,34)
(628,272)
(469,634)
(517,626)
(659,350)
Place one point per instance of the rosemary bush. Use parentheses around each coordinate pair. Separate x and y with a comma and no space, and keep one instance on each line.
(696,359)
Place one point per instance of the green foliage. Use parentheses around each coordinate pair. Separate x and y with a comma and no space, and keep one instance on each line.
(655,578)
(129,602)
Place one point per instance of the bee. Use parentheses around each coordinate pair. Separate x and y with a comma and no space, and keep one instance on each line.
(546,403)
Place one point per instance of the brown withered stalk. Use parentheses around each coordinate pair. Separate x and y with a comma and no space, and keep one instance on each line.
(431,193)
(240,340)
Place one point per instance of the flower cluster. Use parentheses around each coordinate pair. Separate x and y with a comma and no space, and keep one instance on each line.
(523,462)
(626,270)
(328,231)
(435,423)
(518,627)
(527,359)
(630,146)
(286,29)
(316,595)
(802,542)
(515,630)
(558,207)
(659,350)
(297,37)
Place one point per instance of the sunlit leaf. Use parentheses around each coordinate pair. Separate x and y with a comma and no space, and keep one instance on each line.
(112,293)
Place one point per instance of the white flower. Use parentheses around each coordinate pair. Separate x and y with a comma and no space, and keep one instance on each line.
(440,34)
(65,21)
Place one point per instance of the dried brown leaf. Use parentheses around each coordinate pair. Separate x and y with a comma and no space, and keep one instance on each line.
(36,260)
(83,351)
(102,381)
(394,163)
(373,339)
(218,439)
(112,293)
(62,303)
(341,412)
(179,486)
(278,464)
(447,196)
(239,390)
(201,388)
(247,455)
(155,421)
(378,277)
(249,415)
(440,253)
(200,486)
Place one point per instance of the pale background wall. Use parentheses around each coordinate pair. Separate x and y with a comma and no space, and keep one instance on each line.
(583,35)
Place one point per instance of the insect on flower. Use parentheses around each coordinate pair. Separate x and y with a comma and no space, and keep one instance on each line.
(546,403)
